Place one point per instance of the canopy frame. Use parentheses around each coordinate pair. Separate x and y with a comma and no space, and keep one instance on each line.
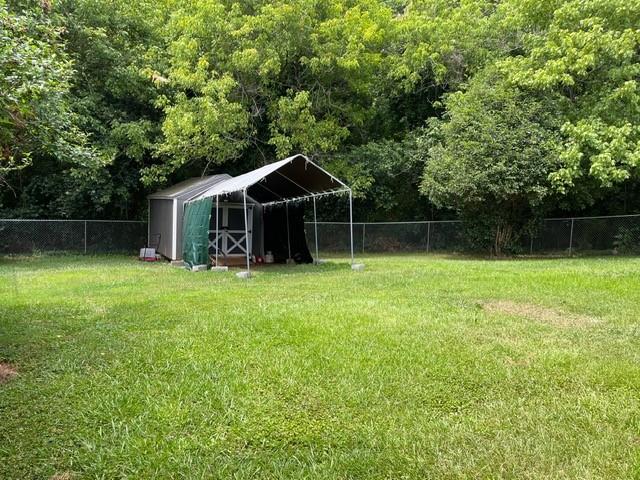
(258,177)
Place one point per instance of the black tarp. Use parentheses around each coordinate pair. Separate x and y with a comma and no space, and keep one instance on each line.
(275,233)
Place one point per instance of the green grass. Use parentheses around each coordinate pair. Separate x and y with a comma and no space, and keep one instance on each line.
(133,370)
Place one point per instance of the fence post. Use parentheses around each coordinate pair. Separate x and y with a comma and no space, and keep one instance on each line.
(428,235)
(571,239)
(85,237)
(364,227)
(531,244)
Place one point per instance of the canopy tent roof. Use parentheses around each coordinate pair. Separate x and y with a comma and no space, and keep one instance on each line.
(293,178)
(189,188)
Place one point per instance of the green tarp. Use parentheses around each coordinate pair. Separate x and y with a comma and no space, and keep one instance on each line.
(195,232)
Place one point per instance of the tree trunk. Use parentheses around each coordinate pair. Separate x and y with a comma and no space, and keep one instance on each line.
(504,232)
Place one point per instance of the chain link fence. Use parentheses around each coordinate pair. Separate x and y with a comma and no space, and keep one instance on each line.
(84,236)
(554,236)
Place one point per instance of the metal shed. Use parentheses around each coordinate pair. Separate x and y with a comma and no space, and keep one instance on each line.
(165,212)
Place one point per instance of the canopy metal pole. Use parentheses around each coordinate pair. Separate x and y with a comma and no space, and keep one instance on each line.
(288,239)
(246,228)
(315,227)
(217,233)
(351,222)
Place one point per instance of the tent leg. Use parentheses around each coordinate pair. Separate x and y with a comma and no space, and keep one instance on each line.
(217,267)
(286,205)
(351,222)
(315,228)
(217,233)
(246,230)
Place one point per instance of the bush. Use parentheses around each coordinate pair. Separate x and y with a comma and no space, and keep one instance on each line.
(627,240)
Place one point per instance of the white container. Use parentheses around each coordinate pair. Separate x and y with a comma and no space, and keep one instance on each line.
(268,258)
(147,254)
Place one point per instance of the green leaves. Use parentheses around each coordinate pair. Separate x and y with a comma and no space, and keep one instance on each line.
(35,115)
(209,127)
(443,42)
(272,77)
(498,146)
(611,153)
(295,127)
(524,99)
(589,54)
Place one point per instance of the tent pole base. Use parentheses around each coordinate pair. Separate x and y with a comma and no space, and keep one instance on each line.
(244,275)
(357,267)
(220,269)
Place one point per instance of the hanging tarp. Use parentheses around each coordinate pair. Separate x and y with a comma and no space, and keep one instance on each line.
(284,234)
(195,232)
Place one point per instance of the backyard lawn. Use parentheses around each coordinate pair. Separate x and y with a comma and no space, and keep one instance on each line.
(418,367)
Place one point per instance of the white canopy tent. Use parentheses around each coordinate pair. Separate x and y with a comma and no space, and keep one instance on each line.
(292,179)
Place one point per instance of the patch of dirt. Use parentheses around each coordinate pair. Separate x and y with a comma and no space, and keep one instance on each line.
(539,313)
(7,372)
(62,476)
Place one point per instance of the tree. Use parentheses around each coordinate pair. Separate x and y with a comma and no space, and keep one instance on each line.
(114,97)
(164,90)
(497,146)
(589,55)
(384,176)
(36,119)
(264,79)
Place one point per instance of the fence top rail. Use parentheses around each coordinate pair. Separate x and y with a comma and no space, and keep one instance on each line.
(410,222)
(595,218)
(388,223)
(635,215)
(67,220)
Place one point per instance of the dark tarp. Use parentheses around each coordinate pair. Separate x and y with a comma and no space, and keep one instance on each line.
(275,233)
(195,232)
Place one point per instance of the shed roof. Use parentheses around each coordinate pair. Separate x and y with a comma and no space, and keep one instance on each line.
(289,179)
(189,188)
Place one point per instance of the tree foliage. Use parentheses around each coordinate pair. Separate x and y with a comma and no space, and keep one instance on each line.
(496,149)
(490,109)
(35,114)
(271,77)
(589,54)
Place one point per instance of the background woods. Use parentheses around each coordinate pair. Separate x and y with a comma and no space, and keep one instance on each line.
(495,112)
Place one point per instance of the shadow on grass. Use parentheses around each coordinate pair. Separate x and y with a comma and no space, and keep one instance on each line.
(284,269)
(558,255)
(52,261)
(333,261)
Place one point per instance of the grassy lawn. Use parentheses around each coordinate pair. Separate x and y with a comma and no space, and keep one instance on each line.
(418,367)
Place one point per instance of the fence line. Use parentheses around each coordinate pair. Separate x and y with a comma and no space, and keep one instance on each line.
(64,220)
(595,217)
(86,236)
(558,236)
(388,223)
